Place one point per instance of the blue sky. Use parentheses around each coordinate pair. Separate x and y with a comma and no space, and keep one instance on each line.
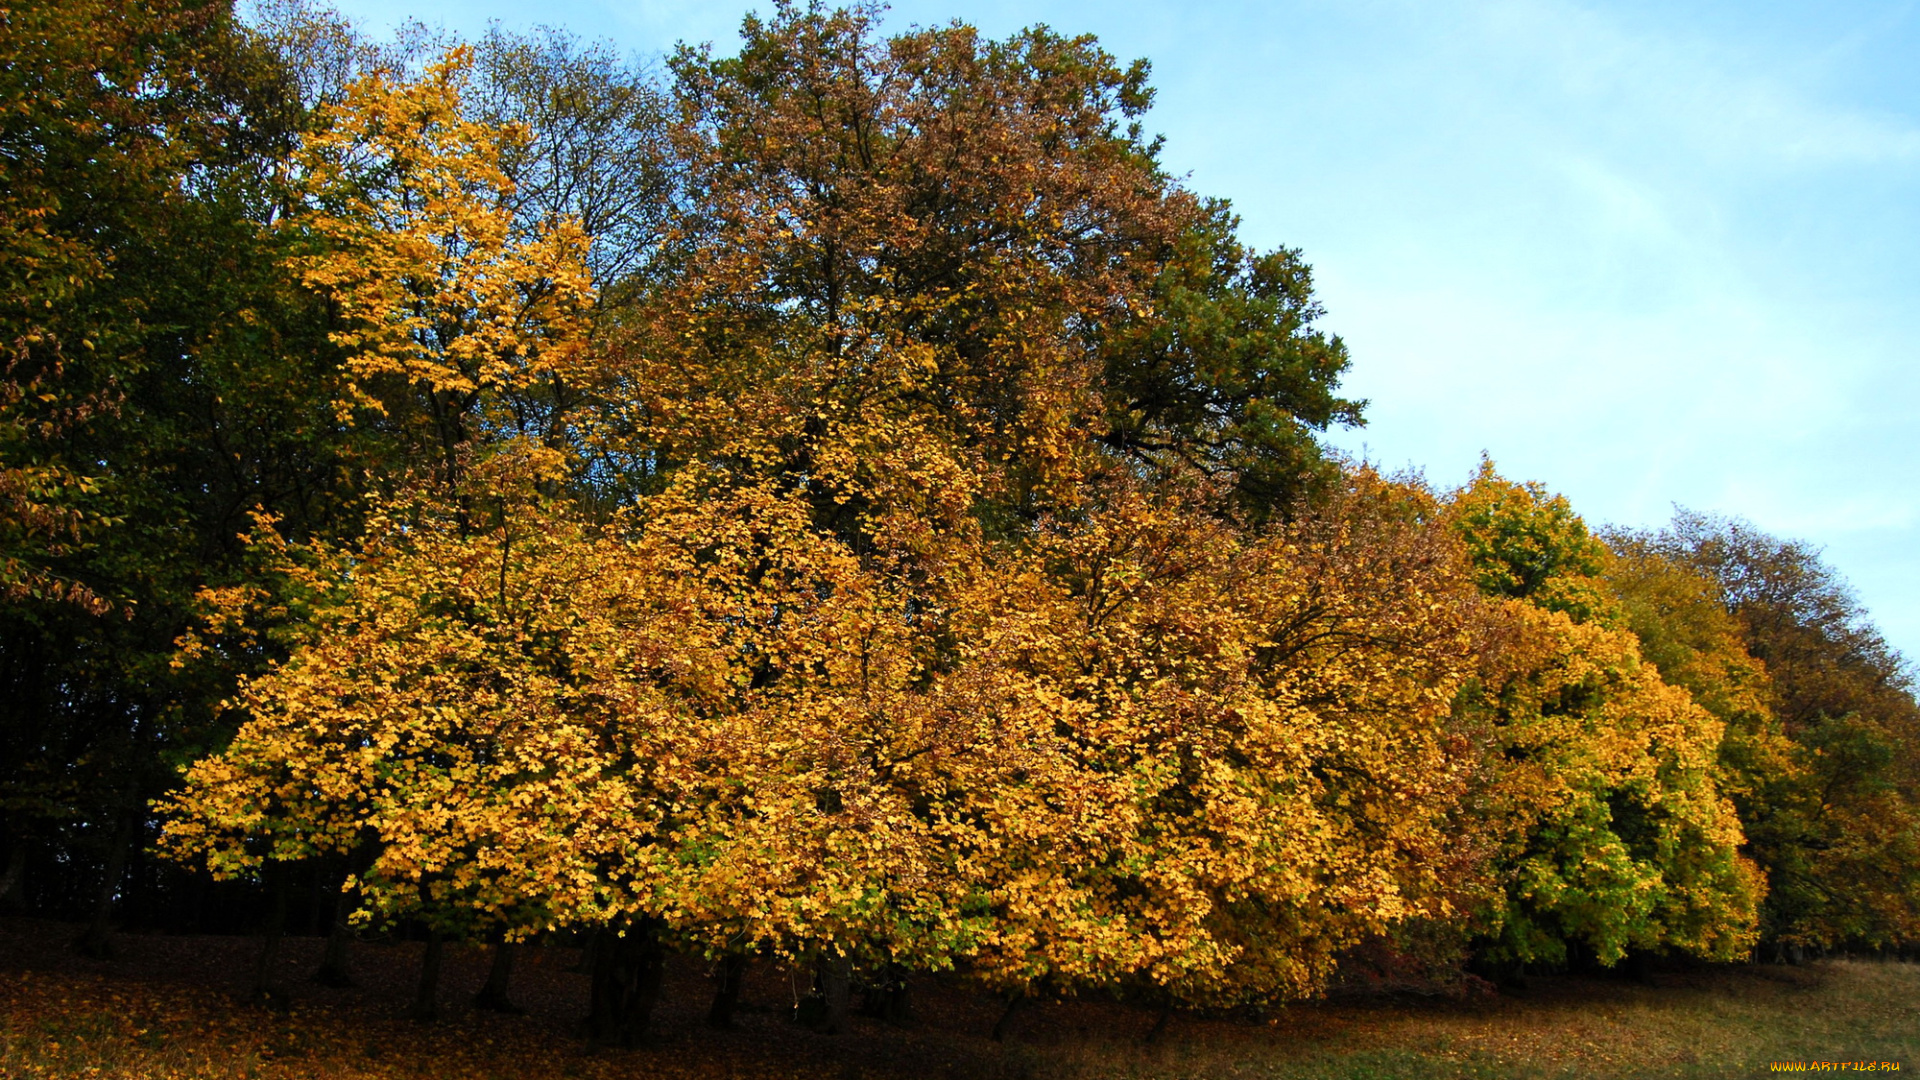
(1648,253)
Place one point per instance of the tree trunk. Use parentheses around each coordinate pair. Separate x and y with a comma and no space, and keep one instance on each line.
(1160,1024)
(885,997)
(97,941)
(627,968)
(585,965)
(268,961)
(733,972)
(1640,968)
(426,1002)
(493,996)
(336,963)
(1004,1026)
(836,986)
(12,896)
(319,910)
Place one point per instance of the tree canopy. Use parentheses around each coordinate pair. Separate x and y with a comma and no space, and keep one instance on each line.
(841,501)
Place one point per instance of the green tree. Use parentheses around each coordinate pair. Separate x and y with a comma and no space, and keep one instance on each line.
(1699,645)
(1600,779)
(1528,544)
(1222,368)
(164,378)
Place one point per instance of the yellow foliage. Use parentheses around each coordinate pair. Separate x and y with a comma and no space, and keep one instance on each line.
(413,240)
(1144,745)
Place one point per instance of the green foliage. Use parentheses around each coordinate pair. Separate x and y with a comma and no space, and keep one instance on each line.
(1528,545)
(164,378)
(1222,369)
(1699,645)
(976,234)
(1601,778)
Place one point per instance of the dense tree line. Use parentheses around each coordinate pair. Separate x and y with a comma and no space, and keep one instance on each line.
(842,502)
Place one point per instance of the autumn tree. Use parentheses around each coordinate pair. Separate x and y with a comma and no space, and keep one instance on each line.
(897,281)
(1601,780)
(1144,748)
(457,327)
(466,710)
(1232,779)
(1839,818)
(916,731)
(1698,645)
(967,238)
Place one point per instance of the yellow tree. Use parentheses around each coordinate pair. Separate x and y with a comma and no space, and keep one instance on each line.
(673,722)
(1146,746)
(886,295)
(460,335)
(478,715)
(455,326)
(1240,757)
(901,659)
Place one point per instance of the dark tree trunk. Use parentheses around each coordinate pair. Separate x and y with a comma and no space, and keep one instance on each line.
(886,996)
(12,896)
(1160,1024)
(493,996)
(319,910)
(1004,1026)
(585,964)
(733,972)
(836,987)
(197,902)
(97,941)
(267,963)
(627,968)
(426,1002)
(336,963)
(1640,968)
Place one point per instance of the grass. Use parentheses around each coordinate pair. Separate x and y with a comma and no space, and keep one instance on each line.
(1725,1023)
(166,1010)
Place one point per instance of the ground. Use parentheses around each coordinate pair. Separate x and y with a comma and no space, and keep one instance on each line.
(169,1007)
